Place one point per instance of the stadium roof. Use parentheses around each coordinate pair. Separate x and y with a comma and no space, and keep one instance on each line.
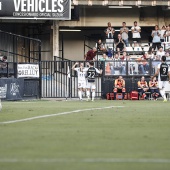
(122,2)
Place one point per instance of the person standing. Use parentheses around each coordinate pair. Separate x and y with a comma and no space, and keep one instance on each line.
(163,73)
(91,73)
(163,29)
(156,41)
(136,30)
(90,55)
(109,31)
(167,34)
(81,74)
(124,32)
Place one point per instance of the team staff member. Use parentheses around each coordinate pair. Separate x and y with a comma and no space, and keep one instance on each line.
(142,87)
(153,86)
(119,87)
(163,73)
(90,54)
(91,73)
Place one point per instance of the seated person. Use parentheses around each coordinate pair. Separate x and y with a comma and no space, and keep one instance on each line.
(116,64)
(142,87)
(153,86)
(119,43)
(119,87)
(3,62)
(143,65)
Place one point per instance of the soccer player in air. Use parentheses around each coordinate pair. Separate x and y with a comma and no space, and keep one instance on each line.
(163,73)
(91,73)
(81,74)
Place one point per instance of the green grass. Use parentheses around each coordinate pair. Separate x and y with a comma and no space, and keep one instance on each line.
(88,140)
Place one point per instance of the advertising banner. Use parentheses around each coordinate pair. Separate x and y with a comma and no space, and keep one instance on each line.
(28,70)
(35,9)
(11,89)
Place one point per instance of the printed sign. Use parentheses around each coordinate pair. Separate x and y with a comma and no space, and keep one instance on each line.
(35,9)
(3,91)
(28,70)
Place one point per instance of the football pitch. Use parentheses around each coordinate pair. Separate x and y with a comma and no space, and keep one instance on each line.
(74,135)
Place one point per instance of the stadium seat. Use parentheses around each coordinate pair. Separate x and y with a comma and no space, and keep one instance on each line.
(126,96)
(111,96)
(108,96)
(129,50)
(138,49)
(134,95)
(146,48)
(119,96)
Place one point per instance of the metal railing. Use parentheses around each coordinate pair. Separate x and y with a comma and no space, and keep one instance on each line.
(19,48)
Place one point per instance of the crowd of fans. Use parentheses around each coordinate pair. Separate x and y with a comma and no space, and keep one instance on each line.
(116,50)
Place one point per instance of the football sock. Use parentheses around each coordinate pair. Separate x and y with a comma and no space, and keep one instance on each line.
(162,91)
(80,94)
(88,94)
(93,94)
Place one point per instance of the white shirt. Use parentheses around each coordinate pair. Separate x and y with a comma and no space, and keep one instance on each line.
(162,33)
(136,34)
(81,74)
(160,54)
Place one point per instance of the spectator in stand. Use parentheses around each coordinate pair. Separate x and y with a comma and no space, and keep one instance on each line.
(156,41)
(3,62)
(163,29)
(160,52)
(143,65)
(116,65)
(100,46)
(124,32)
(153,86)
(123,63)
(119,43)
(136,32)
(149,54)
(142,87)
(119,87)
(109,31)
(167,56)
(167,34)
(104,57)
(90,54)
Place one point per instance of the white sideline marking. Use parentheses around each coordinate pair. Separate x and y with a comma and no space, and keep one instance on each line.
(57,114)
(87,160)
